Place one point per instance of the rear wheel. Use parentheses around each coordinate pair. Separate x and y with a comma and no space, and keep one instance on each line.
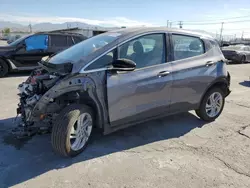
(72,130)
(3,68)
(212,105)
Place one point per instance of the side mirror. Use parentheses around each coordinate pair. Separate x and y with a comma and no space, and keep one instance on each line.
(20,46)
(123,65)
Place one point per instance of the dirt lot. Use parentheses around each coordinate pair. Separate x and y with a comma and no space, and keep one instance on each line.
(178,151)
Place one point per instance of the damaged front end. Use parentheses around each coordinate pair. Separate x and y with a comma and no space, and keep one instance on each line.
(50,89)
(30,92)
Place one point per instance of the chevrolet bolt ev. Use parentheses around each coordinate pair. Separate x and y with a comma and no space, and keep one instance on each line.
(121,78)
(25,52)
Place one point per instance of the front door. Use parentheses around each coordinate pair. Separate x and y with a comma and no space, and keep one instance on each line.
(145,92)
(32,52)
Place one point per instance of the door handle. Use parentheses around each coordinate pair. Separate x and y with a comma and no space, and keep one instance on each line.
(210,63)
(163,73)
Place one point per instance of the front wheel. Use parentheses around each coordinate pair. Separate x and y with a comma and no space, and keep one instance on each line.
(3,68)
(72,130)
(211,105)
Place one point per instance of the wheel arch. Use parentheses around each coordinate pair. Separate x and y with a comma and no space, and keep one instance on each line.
(80,97)
(5,60)
(222,82)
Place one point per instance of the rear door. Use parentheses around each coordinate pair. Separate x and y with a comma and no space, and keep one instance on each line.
(193,69)
(145,92)
(36,47)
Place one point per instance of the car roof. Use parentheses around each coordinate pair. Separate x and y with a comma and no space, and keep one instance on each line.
(59,33)
(140,30)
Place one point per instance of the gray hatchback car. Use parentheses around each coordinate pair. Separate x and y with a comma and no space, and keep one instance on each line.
(121,78)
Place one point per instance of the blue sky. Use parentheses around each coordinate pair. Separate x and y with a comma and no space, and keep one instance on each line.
(129,13)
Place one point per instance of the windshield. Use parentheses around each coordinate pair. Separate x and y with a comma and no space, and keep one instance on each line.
(17,41)
(84,48)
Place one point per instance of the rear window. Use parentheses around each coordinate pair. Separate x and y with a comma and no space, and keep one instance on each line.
(58,40)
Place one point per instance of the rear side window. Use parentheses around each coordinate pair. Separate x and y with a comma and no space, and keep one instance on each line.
(187,46)
(58,40)
(77,39)
(70,41)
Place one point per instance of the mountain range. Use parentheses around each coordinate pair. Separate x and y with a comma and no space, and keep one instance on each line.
(53,26)
(44,26)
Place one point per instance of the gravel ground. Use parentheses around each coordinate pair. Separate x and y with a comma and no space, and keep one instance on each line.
(178,151)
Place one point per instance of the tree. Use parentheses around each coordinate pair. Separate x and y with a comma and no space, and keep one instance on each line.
(6,31)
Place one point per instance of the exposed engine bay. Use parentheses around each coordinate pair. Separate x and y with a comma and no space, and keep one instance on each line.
(30,92)
(47,91)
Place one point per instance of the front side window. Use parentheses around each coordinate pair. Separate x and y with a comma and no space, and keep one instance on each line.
(103,61)
(36,42)
(187,46)
(145,51)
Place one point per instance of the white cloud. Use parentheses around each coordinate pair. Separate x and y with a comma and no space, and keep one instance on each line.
(117,21)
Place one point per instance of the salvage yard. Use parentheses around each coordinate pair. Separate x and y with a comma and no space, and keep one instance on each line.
(177,151)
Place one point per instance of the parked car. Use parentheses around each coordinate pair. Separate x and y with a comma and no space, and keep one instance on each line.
(27,51)
(237,53)
(13,38)
(111,82)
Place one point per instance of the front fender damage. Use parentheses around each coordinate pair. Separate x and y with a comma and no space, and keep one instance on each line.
(91,87)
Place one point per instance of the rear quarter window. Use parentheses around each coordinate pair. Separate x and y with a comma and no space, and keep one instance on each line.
(187,46)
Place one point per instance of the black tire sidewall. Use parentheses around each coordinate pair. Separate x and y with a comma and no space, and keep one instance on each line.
(243,59)
(5,68)
(73,111)
(202,110)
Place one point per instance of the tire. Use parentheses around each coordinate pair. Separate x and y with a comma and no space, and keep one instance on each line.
(243,59)
(65,122)
(203,112)
(4,69)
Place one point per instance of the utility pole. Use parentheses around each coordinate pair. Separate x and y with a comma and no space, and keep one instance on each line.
(30,27)
(242,35)
(167,22)
(221,30)
(180,24)
(170,24)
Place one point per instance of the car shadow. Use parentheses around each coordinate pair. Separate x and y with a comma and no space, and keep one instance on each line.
(19,74)
(245,83)
(20,162)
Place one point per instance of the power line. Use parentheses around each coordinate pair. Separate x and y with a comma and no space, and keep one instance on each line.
(211,20)
(213,23)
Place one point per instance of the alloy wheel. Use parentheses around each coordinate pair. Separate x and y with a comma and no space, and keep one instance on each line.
(214,104)
(81,131)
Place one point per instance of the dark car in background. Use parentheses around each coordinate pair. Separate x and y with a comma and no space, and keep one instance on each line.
(237,53)
(25,52)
